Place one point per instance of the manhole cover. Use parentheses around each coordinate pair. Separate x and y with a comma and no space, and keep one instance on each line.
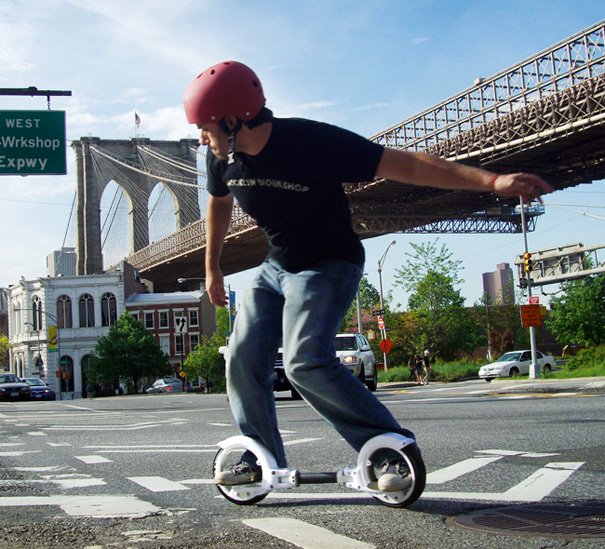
(554,520)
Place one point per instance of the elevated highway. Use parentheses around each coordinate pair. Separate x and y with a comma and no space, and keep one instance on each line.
(545,115)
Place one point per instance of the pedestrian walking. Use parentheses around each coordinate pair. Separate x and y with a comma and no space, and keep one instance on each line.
(426,364)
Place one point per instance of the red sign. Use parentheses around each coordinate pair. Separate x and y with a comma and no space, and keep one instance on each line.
(531,315)
(386,346)
(381,322)
(534,300)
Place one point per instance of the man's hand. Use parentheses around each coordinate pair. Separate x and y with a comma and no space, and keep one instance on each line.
(525,185)
(215,288)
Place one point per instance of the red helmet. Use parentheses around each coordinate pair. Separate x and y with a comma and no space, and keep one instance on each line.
(228,88)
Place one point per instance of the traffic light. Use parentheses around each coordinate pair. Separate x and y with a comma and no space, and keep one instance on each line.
(528,264)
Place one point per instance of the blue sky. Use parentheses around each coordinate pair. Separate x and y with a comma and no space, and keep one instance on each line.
(364,65)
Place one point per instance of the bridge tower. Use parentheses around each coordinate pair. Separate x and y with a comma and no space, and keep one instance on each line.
(137,184)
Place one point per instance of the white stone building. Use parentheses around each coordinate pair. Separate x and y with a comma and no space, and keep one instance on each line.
(54,324)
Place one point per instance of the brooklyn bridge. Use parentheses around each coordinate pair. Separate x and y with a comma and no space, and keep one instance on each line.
(545,115)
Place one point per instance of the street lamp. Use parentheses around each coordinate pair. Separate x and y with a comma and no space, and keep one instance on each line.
(48,349)
(38,362)
(380,264)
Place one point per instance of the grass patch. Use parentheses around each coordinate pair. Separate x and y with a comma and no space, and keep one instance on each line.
(441,371)
(587,363)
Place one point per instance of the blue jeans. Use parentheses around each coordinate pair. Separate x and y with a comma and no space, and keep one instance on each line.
(305,309)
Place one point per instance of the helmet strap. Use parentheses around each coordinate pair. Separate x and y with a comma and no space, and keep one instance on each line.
(231,135)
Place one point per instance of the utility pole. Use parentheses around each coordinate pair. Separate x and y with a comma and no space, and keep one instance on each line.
(534,368)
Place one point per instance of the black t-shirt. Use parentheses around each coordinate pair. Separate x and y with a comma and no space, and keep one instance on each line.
(293,189)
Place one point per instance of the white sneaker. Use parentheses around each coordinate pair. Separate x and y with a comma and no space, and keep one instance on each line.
(395,477)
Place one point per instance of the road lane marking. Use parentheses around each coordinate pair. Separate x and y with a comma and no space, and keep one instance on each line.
(132,427)
(46,469)
(36,434)
(541,483)
(300,441)
(17,453)
(158,484)
(93,459)
(305,535)
(89,506)
(458,469)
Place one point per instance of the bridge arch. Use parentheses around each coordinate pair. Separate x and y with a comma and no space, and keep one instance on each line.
(129,163)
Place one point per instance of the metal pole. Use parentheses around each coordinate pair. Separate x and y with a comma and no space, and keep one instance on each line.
(534,369)
(359,327)
(383,332)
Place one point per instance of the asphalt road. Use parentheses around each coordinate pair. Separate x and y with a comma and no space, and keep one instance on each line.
(134,471)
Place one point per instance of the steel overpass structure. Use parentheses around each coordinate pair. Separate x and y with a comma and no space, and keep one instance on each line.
(545,115)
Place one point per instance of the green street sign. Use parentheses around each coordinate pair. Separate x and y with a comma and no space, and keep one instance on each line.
(32,143)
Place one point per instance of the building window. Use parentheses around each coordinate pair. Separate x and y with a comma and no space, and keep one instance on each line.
(193,317)
(194,340)
(165,343)
(178,347)
(149,321)
(109,309)
(87,311)
(64,317)
(163,319)
(37,313)
(67,373)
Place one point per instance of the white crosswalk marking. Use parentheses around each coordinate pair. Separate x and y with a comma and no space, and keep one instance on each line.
(302,534)
(542,482)
(89,506)
(158,484)
(458,469)
(93,459)
(300,441)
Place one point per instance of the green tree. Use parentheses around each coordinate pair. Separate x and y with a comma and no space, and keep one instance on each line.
(445,327)
(206,362)
(369,299)
(427,258)
(577,315)
(222,322)
(129,352)
(442,323)
(504,323)
(4,346)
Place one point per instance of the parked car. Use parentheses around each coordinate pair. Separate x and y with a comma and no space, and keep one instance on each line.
(515,363)
(166,385)
(12,388)
(38,389)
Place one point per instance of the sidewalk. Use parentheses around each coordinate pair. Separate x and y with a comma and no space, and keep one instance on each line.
(580,384)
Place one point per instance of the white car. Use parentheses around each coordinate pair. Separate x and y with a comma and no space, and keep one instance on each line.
(516,363)
(355,353)
(166,386)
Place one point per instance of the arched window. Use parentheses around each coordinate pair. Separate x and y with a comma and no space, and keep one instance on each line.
(37,312)
(109,312)
(67,373)
(87,311)
(64,316)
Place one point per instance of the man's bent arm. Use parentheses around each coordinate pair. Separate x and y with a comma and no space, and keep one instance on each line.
(218,218)
(431,171)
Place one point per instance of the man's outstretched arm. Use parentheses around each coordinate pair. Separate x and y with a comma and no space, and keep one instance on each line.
(431,171)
